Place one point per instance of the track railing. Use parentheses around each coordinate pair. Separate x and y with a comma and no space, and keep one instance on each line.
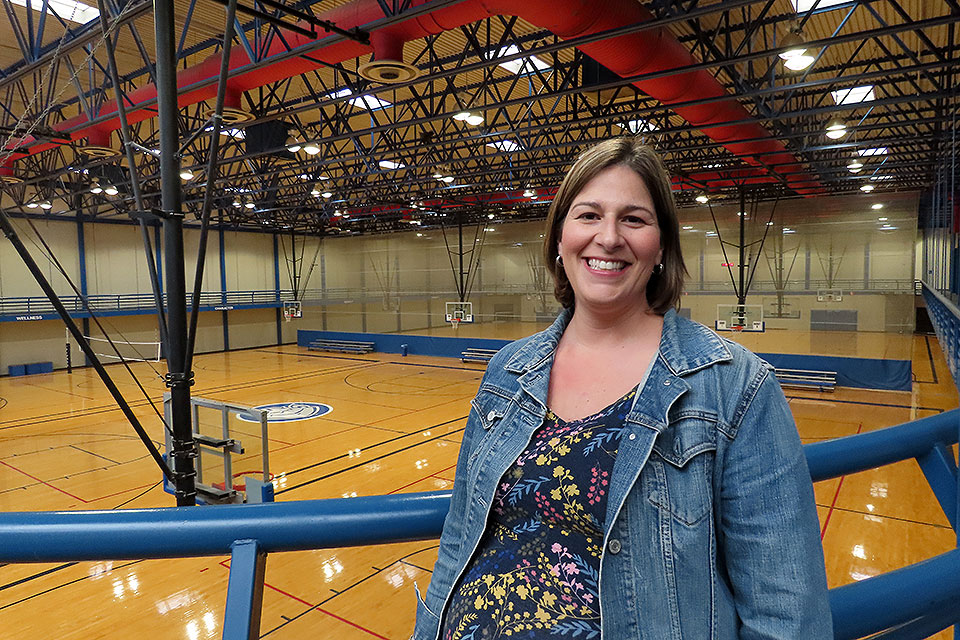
(905,604)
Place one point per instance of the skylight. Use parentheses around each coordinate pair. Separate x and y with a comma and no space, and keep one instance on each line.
(877,151)
(520,66)
(802,6)
(239,134)
(504,145)
(67,9)
(362,102)
(854,95)
(390,164)
(638,126)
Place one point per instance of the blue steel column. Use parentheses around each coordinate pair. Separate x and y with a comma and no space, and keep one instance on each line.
(225,317)
(241,620)
(276,287)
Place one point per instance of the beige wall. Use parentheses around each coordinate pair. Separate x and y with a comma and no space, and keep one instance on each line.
(401,281)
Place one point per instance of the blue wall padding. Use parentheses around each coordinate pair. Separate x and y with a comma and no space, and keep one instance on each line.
(17,370)
(864,373)
(39,367)
(416,345)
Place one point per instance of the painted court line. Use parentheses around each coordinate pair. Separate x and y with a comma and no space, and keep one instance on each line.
(836,495)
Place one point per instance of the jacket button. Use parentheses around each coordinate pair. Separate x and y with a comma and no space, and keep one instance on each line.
(614,546)
(491,416)
(666,383)
(632,436)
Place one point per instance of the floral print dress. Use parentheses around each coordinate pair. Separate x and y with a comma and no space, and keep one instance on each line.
(536,571)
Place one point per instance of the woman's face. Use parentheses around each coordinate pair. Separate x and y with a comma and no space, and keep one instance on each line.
(610,241)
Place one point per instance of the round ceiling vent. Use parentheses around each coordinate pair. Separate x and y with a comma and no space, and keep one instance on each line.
(96,151)
(233,115)
(388,71)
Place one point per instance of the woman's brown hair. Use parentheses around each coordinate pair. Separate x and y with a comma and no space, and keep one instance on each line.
(664,288)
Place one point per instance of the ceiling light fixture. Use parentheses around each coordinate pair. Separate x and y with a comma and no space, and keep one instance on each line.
(311,149)
(111,190)
(250,205)
(96,188)
(876,205)
(702,198)
(186,174)
(836,129)
(867,188)
(32,205)
(327,194)
(855,166)
(795,56)
(46,205)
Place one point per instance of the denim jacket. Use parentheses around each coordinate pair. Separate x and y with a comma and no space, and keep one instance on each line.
(711,530)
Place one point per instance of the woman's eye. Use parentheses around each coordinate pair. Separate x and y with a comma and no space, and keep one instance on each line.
(634,220)
(587,215)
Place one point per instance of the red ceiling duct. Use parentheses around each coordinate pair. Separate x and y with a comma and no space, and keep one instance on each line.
(649,51)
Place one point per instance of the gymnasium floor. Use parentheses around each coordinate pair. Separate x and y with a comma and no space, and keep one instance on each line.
(395,426)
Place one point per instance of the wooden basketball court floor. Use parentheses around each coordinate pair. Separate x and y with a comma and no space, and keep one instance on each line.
(395,426)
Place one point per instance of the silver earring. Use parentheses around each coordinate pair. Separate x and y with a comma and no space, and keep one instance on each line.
(658,269)
(559,261)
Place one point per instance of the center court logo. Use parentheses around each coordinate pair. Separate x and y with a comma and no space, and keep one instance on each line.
(289,411)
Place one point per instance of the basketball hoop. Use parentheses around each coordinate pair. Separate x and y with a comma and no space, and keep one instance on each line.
(455,322)
(737,328)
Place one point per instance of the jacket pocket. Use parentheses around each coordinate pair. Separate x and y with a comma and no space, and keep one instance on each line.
(489,408)
(680,469)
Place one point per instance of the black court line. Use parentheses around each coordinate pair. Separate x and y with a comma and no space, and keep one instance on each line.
(60,586)
(37,575)
(73,446)
(366,462)
(336,593)
(933,367)
(63,415)
(869,404)
(880,515)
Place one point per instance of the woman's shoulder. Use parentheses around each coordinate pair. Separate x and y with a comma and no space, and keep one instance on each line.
(705,341)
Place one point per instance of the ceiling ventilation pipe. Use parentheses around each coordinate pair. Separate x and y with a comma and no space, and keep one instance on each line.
(650,51)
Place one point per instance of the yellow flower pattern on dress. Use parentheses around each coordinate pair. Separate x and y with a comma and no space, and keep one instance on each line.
(536,571)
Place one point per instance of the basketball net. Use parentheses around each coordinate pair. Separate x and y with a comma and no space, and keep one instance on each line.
(456,323)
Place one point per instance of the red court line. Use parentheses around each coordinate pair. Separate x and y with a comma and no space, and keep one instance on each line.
(43,482)
(225,564)
(432,475)
(836,495)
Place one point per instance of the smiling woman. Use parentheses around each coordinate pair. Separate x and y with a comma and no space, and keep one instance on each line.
(626,473)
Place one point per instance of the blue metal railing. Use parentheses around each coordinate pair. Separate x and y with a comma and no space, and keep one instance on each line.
(906,604)
(138,302)
(946,322)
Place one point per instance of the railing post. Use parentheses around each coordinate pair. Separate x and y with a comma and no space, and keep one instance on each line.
(241,620)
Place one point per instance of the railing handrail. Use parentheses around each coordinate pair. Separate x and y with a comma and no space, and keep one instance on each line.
(850,454)
(920,593)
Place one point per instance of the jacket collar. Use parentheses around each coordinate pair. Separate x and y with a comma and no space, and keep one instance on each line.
(685,346)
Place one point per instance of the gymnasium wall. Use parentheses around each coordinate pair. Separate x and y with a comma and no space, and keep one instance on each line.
(400,282)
